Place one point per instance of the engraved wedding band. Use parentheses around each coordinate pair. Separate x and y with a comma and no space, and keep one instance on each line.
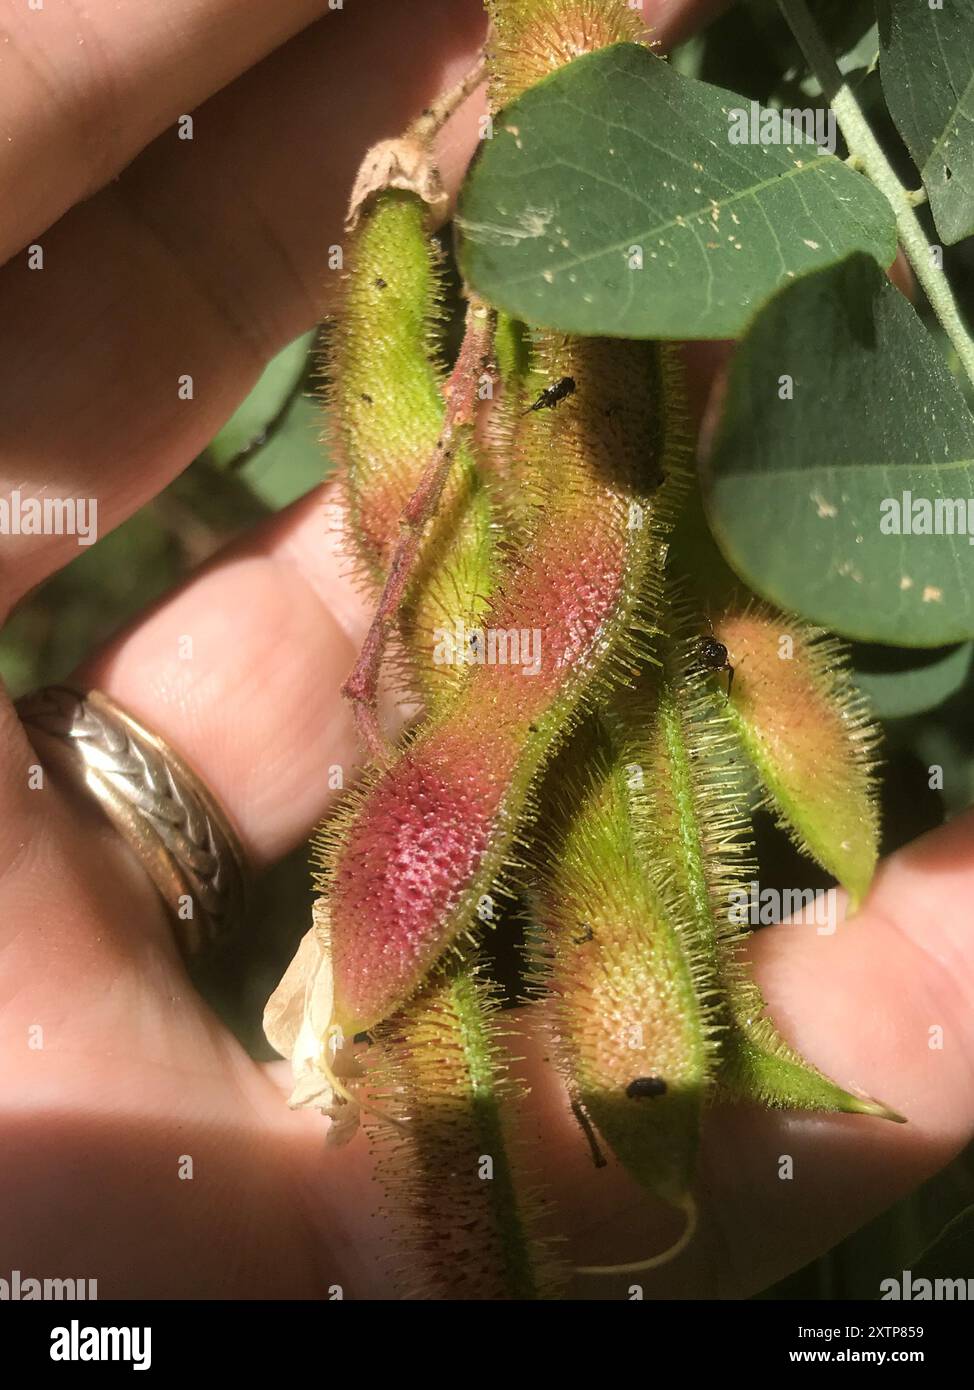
(158,804)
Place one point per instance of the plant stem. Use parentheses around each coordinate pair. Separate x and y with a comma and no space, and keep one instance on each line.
(461,403)
(435,117)
(868,154)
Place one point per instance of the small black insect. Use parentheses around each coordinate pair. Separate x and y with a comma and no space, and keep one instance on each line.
(367,398)
(644,1086)
(551,395)
(380,284)
(713,655)
(585,935)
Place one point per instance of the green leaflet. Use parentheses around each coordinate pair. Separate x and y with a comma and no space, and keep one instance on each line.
(618,197)
(927,69)
(836,481)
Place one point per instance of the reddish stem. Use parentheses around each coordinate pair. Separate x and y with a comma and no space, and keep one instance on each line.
(461,393)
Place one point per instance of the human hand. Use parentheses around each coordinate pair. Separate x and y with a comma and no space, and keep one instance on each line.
(205,257)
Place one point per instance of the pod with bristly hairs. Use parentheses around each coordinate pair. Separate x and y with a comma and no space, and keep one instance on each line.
(405,868)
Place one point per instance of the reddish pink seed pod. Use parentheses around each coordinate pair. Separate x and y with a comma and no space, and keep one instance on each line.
(406,872)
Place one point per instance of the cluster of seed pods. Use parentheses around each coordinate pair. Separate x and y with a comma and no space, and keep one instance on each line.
(607,776)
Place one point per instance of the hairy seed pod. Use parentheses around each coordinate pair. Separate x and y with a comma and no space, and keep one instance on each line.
(807,731)
(404,871)
(386,412)
(468,1220)
(532,38)
(438,1061)
(698,838)
(436,1066)
(630,994)
(506,466)
(758,1065)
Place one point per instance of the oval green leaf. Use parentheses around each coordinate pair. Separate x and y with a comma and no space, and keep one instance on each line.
(898,683)
(270,395)
(927,70)
(611,201)
(844,440)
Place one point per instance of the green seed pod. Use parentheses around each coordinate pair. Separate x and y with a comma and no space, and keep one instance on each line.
(807,731)
(532,38)
(630,993)
(512,348)
(469,1220)
(514,489)
(386,412)
(699,845)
